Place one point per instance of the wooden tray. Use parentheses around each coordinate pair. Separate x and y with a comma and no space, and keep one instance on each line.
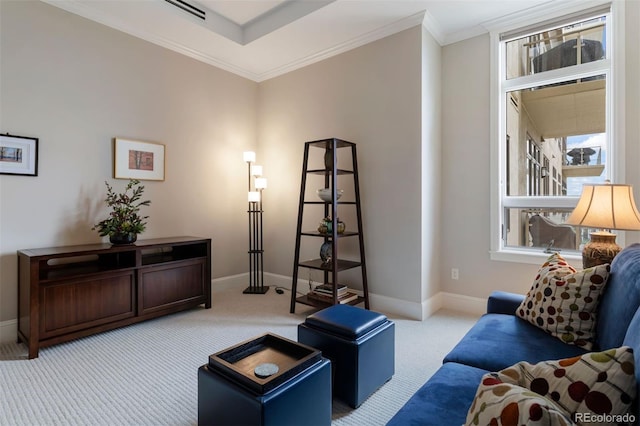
(239,362)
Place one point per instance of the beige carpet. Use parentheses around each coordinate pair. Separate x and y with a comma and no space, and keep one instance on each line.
(146,374)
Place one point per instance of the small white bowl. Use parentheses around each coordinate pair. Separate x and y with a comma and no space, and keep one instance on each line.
(325,194)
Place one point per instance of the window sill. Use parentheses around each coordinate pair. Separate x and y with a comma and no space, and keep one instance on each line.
(534,257)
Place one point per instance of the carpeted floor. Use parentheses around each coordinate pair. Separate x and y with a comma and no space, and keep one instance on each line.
(146,374)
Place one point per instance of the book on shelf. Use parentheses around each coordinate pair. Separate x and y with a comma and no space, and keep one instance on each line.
(328,289)
(344,298)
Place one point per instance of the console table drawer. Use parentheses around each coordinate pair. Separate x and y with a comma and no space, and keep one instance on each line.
(162,287)
(71,306)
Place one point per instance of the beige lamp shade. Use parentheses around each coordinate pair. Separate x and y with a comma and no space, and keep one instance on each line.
(606,206)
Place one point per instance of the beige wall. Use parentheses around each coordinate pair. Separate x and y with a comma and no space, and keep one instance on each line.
(75,85)
(465,182)
(370,96)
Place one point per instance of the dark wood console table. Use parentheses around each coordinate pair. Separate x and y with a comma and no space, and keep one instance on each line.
(69,292)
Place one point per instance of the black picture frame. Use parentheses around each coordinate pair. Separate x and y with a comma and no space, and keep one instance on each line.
(18,155)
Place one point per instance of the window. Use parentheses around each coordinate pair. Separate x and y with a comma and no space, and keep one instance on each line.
(554,113)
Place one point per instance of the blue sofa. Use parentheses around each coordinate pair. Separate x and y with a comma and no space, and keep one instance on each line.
(500,339)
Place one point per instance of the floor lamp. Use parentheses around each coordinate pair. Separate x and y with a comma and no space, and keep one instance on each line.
(256,250)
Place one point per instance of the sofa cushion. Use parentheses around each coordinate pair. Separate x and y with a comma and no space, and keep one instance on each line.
(497,341)
(506,404)
(632,340)
(596,382)
(443,400)
(563,302)
(621,299)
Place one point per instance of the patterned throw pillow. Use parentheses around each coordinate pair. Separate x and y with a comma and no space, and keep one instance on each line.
(601,383)
(595,388)
(505,404)
(563,302)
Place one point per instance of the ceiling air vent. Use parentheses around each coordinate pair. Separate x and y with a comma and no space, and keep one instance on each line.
(188,8)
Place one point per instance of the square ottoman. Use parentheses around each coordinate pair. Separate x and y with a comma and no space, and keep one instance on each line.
(360,345)
(235,388)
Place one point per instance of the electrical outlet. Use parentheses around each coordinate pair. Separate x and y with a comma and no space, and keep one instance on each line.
(455,273)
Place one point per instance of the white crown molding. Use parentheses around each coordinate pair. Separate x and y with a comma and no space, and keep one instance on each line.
(431,25)
(540,12)
(536,13)
(396,27)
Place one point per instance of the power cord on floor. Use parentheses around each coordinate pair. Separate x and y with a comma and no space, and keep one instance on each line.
(281,290)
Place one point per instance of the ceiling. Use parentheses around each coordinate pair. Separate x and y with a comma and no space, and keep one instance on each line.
(261,39)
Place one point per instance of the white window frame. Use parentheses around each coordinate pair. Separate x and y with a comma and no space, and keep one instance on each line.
(613,67)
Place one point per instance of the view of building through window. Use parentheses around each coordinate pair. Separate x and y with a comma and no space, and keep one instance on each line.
(554,93)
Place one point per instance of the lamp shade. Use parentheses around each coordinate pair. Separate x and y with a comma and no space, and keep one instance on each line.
(261,183)
(606,206)
(253,196)
(256,170)
(249,156)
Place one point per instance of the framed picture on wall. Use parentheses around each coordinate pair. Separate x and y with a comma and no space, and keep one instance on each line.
(138,160)
(18,155)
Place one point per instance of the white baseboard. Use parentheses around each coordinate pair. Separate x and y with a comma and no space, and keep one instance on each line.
(385,304)
(392,306)
(8,331)
(462,303)
(428,307)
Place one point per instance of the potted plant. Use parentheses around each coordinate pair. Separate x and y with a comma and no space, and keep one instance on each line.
(124,222)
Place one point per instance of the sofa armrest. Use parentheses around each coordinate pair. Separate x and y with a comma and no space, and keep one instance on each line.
(502,302)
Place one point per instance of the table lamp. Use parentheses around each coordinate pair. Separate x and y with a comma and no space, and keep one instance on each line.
(606,207)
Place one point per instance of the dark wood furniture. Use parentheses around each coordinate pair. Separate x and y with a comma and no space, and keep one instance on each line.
(328,150)
(69,292)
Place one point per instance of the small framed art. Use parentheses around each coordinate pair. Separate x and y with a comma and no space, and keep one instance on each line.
(138,160)
(18,155)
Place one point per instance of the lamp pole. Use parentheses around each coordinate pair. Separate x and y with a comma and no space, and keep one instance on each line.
(256,249)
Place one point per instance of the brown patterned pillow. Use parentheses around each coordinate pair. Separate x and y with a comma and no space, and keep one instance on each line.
(600,383)
(563,302)
(505,404)
(595,388)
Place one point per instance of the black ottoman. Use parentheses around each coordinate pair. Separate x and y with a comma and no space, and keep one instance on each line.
(360,345)
(299,393)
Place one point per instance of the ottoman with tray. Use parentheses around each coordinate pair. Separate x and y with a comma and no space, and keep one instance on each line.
(268,380)
(360,345)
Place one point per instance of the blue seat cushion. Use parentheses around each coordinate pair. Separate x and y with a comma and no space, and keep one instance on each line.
(346,320)
(443,400)
(498,341)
